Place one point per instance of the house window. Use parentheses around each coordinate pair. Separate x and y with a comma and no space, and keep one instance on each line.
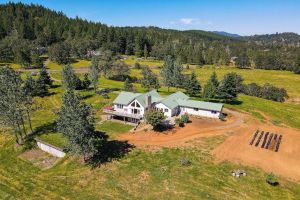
(133,104)
(214,112)
(196,109)
(166,110)
(138,105)
(120,106)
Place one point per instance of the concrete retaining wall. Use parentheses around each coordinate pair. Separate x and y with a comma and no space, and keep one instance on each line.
(55,151)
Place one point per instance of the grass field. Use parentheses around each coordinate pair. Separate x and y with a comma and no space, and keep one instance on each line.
(113,129)
(79,63)
(139,175)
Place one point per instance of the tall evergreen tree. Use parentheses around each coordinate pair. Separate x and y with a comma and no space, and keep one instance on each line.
(193,87)
(230,86)
(178,77)
(167,72)
(149,79)
(45,77)
(76,123)
(128,86)
(214,80)
(12,102)
(145,51)
(69,79)
(94,75)
(86,82)
(30,86)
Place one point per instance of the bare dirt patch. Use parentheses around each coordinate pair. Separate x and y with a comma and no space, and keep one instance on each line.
(286,162)
(199,127)
(39,158)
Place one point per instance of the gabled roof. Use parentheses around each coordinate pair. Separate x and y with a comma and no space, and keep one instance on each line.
(201,105)
(125,98)
(154,97)
(171,100)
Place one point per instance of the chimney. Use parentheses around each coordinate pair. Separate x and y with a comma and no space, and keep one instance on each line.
(148,101)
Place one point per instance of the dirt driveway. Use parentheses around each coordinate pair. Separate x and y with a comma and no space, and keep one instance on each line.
(199,127)
(236,147)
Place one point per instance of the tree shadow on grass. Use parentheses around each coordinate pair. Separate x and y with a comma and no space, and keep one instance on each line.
(45,128)
(110,150)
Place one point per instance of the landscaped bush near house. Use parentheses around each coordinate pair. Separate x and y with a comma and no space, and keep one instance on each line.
(179,122)
(185,118)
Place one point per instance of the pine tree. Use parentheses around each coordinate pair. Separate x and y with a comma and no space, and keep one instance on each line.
(145,51)
(45,77)
(94,75)
(149,79)
(128,86)
(230,86)
(167,72)
(12,102)
(76,123)
(214,79)
(69,79)
(86,82)
(41,89)
(30,86)
(193,87)
(209,90)
(178,77)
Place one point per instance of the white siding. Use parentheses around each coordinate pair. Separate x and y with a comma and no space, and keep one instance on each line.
(128,109)
(51,150)
(204,113)
(170,112)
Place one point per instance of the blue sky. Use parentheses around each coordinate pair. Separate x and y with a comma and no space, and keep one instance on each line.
(245,17)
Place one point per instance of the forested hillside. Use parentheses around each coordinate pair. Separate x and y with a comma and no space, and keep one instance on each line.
(27,31)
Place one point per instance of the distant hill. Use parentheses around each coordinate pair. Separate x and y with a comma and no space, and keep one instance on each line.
(233,35)
(289,39)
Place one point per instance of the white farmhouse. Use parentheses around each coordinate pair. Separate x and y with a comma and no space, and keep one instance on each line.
(132,106)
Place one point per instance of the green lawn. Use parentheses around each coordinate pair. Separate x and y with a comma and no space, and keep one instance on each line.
(56,139)
(114,128)
(79,63)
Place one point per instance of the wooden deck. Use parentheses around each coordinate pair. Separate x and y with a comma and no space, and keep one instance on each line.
(121,114)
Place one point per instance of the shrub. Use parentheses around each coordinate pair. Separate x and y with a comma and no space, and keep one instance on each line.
(266,91)
(179,122)
(272,179)
(137,65)
(154,117)
(185,118)
(185,162)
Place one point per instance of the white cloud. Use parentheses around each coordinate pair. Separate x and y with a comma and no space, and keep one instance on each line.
(191,21)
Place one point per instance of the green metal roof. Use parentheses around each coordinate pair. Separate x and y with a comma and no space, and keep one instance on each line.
(171,101)
(125,97)
(201,105)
